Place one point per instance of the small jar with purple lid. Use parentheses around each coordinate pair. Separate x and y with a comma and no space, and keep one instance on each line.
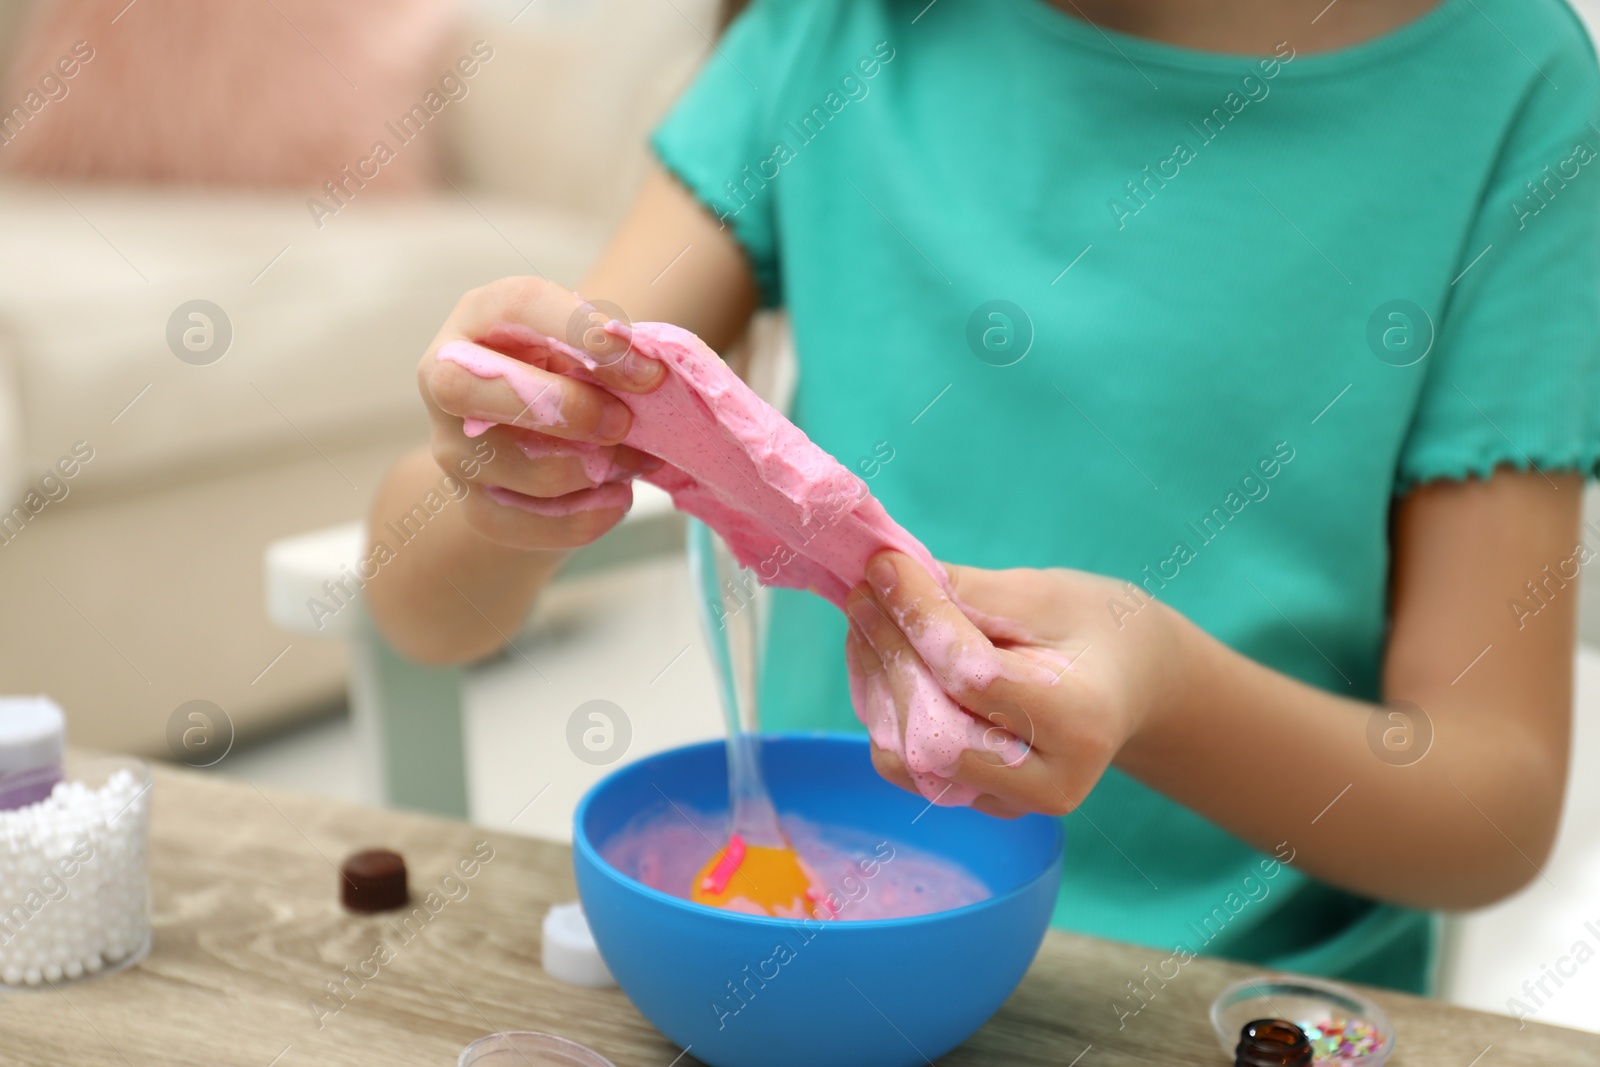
(74,882)
(32,733)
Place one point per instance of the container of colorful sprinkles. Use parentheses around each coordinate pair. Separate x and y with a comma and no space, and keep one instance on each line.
(1345,1028)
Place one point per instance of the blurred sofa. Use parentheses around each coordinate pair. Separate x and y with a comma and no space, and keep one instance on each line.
(148,485)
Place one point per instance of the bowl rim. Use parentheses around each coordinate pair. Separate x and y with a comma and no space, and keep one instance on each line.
(582,845)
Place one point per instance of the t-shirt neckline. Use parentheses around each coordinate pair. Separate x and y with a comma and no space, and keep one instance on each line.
(1136,49)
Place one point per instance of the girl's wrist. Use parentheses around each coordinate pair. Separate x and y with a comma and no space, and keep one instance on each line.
(1176,649)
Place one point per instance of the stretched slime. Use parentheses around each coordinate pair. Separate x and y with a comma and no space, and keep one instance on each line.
(758,871)
(788,510)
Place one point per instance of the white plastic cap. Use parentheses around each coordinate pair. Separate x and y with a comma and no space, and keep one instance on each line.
(569,953)
(31,733)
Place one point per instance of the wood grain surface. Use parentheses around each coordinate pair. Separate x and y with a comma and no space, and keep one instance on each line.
(249,932)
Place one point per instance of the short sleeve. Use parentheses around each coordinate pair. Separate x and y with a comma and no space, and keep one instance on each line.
(716,137)
(1515,375)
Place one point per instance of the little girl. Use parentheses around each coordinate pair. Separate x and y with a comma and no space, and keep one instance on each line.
(1241,354)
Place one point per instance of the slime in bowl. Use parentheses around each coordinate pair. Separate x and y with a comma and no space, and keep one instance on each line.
(758,991)
(866,876)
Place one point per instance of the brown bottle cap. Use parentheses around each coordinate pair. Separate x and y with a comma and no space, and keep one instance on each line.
(374,880)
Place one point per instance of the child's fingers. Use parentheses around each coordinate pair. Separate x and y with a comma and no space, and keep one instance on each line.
(612,496)
(871,692)
(965,662)
(1018,785)
(878,708)
(530,463)
(998,808)
(515,313)
(996,737)
(859,656)
(989,770)
(936,732)
(919,607)
(896,678)
(892,768)
(982,753)
(996,600)
(484,388)
(572,521)
(992,592)
(542,459)
(876,634)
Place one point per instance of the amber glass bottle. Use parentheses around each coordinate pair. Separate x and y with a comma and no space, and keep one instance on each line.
(1272,1043)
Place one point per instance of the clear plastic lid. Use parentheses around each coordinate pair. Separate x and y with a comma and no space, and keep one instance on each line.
(524,1048)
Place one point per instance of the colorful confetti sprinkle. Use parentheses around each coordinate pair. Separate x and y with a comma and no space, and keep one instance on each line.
(1342,1040)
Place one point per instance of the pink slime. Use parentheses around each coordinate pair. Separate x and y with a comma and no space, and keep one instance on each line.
(865,877)
(788,510)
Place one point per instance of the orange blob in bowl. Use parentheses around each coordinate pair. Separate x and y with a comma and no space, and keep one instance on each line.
(760,880)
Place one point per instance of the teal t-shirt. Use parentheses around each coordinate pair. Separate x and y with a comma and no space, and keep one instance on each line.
(1076,299)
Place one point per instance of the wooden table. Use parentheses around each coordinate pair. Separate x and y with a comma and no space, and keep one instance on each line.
(248,932)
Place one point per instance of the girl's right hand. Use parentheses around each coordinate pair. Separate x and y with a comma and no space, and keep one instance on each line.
(531,488)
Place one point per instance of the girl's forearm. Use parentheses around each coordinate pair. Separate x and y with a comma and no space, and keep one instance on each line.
(444,593)
(1276,761)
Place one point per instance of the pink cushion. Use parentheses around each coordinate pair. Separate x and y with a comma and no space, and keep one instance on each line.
(258,93)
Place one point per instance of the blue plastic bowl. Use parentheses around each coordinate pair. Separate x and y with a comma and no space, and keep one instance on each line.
(878,992)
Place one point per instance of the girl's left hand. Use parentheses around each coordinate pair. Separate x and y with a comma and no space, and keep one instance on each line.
(1075,676)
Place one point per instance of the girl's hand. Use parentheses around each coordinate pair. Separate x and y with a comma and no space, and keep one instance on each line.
(1073,678)
(539,491)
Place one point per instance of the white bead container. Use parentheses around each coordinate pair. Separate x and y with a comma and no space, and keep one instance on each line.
(74,882)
